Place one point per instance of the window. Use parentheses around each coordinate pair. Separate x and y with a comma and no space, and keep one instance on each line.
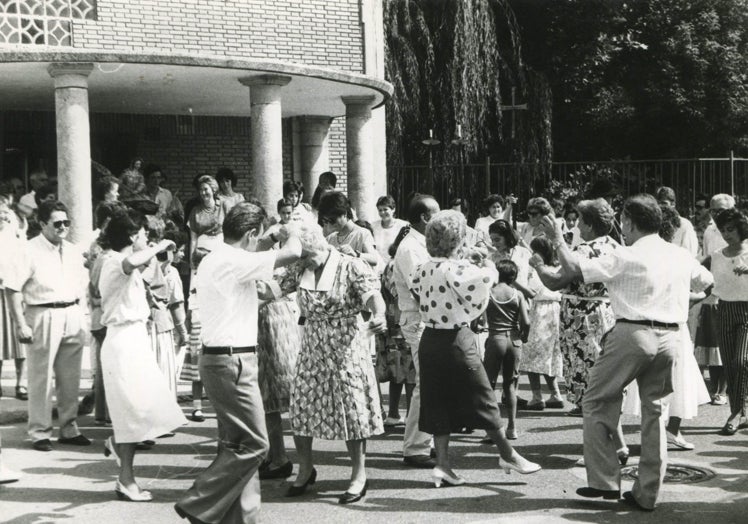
(42,22)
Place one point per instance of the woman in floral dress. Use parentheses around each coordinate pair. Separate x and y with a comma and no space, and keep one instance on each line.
(334,394)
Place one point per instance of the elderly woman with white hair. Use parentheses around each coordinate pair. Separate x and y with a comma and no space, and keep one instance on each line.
(334,394)
(455,391)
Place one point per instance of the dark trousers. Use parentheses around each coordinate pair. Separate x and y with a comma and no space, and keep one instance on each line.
(228,491)
(733,348)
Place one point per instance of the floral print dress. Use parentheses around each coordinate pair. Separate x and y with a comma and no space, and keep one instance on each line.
(334,394)
(586,316)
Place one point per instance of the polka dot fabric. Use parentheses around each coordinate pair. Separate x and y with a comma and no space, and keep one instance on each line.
(452,293)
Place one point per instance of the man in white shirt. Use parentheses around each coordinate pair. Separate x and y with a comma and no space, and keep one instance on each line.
(713,240)
(685,236)
(648,283)
(229,490)
(52,279)
(410,254)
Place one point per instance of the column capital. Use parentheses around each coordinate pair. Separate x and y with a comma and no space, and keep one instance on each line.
(321,119)
(265,80)
(68,74)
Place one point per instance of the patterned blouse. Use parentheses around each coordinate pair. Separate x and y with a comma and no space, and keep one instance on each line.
(451,292)
(592,249)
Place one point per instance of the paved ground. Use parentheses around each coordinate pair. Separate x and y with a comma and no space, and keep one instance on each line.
(76,485)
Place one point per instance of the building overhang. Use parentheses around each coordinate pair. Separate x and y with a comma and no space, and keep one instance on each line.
(139,83)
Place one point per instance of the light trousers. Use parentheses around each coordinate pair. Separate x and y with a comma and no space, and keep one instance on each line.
(629,352)
(415,442)
(55,351)
(228,491)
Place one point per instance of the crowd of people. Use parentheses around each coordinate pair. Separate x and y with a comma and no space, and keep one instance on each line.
(306,310)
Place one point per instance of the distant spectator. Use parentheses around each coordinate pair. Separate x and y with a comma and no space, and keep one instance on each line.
(226,179)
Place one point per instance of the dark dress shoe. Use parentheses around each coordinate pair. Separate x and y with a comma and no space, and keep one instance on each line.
(629,499)
(78,440)
(349,498)
(283,472)
(295,491)
(197,415)
(43,445)
(419,461)
(183,514)
(594,493)
(86,405)
(22,393)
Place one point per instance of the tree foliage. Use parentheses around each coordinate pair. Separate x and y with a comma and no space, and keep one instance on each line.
(453,63)
(642,79)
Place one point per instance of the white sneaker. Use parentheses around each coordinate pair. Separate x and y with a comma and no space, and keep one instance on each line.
(391,421)
(677,441)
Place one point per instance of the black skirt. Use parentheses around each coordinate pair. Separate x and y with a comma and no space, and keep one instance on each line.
(455,392)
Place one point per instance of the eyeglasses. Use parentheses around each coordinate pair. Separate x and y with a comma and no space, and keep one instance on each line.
(715,212)
(59,224)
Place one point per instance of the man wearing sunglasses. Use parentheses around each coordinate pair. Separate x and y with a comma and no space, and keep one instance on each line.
(712,237)
(51,281)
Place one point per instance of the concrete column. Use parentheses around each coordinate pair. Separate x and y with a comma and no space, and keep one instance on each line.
(360,155)
(74,144)
(266,137)
(314,149)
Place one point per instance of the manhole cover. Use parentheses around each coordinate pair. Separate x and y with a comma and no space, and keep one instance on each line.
(675,474)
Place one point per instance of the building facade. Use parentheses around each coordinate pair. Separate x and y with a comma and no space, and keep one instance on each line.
(273,89)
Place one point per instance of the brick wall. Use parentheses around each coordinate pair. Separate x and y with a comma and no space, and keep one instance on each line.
(313,32)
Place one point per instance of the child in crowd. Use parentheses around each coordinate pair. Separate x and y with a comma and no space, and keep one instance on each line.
(508,323)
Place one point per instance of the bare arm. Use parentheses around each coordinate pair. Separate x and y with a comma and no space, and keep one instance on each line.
(16,312)
(553,280)
(375,304)
(141,258)
(570,269)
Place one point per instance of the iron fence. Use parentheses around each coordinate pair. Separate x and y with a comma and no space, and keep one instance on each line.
(688,177)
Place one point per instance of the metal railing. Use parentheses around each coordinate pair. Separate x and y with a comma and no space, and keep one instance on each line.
(688,177)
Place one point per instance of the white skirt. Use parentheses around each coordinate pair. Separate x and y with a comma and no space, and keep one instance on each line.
(689,389)
(162,345)
(140,404)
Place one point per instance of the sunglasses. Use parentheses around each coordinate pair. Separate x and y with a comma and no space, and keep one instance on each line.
(715,212)
(59,224)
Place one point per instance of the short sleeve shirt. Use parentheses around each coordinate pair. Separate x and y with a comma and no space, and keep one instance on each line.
(123,297)
(226,294)
(452,293)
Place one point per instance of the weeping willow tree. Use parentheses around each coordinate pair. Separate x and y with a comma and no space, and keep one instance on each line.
(453,63)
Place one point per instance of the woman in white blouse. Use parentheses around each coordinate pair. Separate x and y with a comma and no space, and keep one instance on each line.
(140,404)
(730,269)
(455,391)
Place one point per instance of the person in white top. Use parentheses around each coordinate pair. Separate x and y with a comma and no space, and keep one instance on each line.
(52,280)
(730,268)
(707,332)
(493,207)
(410,254)
(685,236)
(227,295)
(137,395)
(649,284)
(153,190)
(387,227)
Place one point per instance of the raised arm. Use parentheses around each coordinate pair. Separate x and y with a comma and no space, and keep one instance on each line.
(570,269)
(141,258)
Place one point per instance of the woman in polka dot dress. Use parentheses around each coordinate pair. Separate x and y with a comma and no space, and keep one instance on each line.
(455,391)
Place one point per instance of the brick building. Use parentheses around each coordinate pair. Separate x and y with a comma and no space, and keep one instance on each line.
(273,89)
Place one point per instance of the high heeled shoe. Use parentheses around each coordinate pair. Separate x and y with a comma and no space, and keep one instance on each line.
(348,497)
(295,491)
(522,466)
(442,477)
(110,450)
(125,494)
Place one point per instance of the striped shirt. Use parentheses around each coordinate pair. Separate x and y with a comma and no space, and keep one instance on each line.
(649,280)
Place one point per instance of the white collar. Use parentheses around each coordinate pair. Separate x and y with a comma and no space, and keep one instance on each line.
(328,274)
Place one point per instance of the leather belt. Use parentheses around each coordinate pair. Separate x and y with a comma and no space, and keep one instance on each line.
(227,350)
(650,323)
(57,305)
